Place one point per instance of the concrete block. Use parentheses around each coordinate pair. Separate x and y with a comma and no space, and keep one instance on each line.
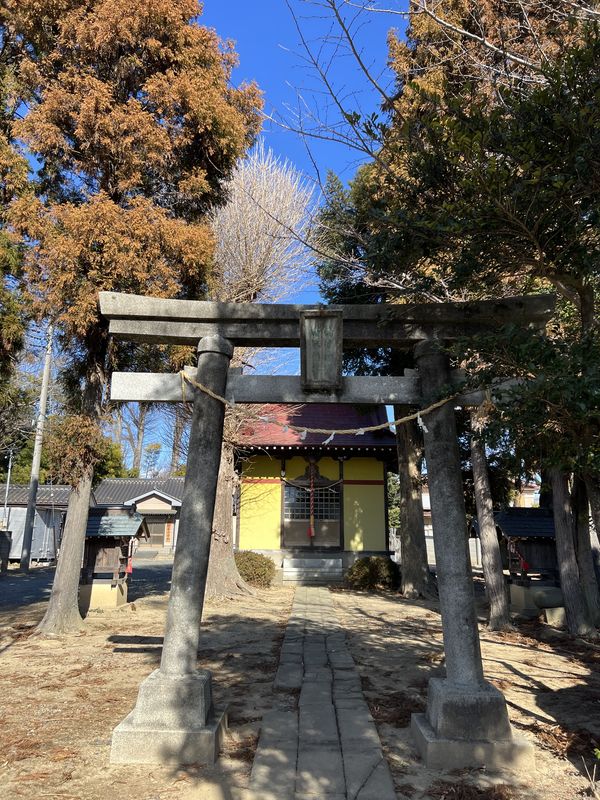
(294,630)
(345,674)
(467,713)
(318,675)
(318,725)
(357,713)
(341,659)
(279,728)
(292,646)
(101,595)
(357,729)
(379,786)
(315,694)
(336,640)
(352,703)
(556,617)
(293,638)
(347,687)
(368,776)
(289,676)
(139,744)
(547,596)
(315,639)
(349,699)
(521,601)
(516,754)
(290,658)
(320,771)
(315,657)
(314,647)
(274,769)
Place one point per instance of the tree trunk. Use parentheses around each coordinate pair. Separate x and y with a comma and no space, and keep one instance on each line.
(593,490)
(223,579)
(587,309)
(178,426)
(139,442)
(545,490)
(62,614)
(585,560)
(575,608)
(490,549)
(416,578)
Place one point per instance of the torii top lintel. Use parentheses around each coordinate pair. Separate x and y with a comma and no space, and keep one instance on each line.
(164,321)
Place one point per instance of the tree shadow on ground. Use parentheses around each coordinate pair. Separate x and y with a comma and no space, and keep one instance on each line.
(243,662)
(148,580)
(18,589)
(573,732)
(243,659)
(238,666)
(567,723)
(243,669)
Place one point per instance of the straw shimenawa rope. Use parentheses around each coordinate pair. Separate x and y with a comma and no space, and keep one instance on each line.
(185,378)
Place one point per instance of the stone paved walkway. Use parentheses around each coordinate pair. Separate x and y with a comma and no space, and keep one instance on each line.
(328,747)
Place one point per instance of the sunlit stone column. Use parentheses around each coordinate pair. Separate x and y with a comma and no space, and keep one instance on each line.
(174,720)
(466,722)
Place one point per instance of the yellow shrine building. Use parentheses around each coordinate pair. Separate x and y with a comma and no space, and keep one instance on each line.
(314,507)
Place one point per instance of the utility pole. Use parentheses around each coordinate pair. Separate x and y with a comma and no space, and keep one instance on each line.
(37,456)
(4,525)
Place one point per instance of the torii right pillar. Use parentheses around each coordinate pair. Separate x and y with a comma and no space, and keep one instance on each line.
(466,722)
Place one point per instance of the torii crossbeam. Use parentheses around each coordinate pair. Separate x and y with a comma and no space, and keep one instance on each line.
(466,723)
(156,321)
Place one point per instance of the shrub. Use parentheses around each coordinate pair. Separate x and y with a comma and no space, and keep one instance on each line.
(373,572)
(255,569)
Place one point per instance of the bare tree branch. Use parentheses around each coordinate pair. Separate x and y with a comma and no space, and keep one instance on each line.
(262,232)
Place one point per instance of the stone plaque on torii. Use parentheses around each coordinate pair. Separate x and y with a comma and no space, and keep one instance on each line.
(466,722)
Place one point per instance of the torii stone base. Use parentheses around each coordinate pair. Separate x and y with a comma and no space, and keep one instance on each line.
(463,727)
(173,722)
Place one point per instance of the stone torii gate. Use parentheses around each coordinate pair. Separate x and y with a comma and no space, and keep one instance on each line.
(174,720)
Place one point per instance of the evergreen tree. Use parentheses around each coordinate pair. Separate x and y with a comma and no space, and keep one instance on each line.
(14,183)
(485,184)
(136,126)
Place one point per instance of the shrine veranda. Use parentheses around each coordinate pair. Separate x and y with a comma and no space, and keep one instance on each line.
(466,722)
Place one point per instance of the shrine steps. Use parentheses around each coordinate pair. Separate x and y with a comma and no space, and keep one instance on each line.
(313,570)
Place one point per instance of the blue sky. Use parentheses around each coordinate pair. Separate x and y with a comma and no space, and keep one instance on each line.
(270,51)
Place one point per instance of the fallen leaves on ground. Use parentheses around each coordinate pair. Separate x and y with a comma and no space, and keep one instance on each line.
(396,708)
(443,790)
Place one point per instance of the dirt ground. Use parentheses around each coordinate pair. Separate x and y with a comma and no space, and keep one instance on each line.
(551,683)
(60,699)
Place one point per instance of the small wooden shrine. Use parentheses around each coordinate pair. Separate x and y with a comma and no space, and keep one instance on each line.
(110,542)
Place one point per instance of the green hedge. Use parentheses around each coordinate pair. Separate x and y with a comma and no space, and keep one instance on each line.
(373,572)
(255,569)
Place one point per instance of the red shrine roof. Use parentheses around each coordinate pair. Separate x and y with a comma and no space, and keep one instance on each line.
(267,429)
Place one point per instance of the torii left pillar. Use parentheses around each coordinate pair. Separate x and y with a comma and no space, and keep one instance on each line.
(174,720)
